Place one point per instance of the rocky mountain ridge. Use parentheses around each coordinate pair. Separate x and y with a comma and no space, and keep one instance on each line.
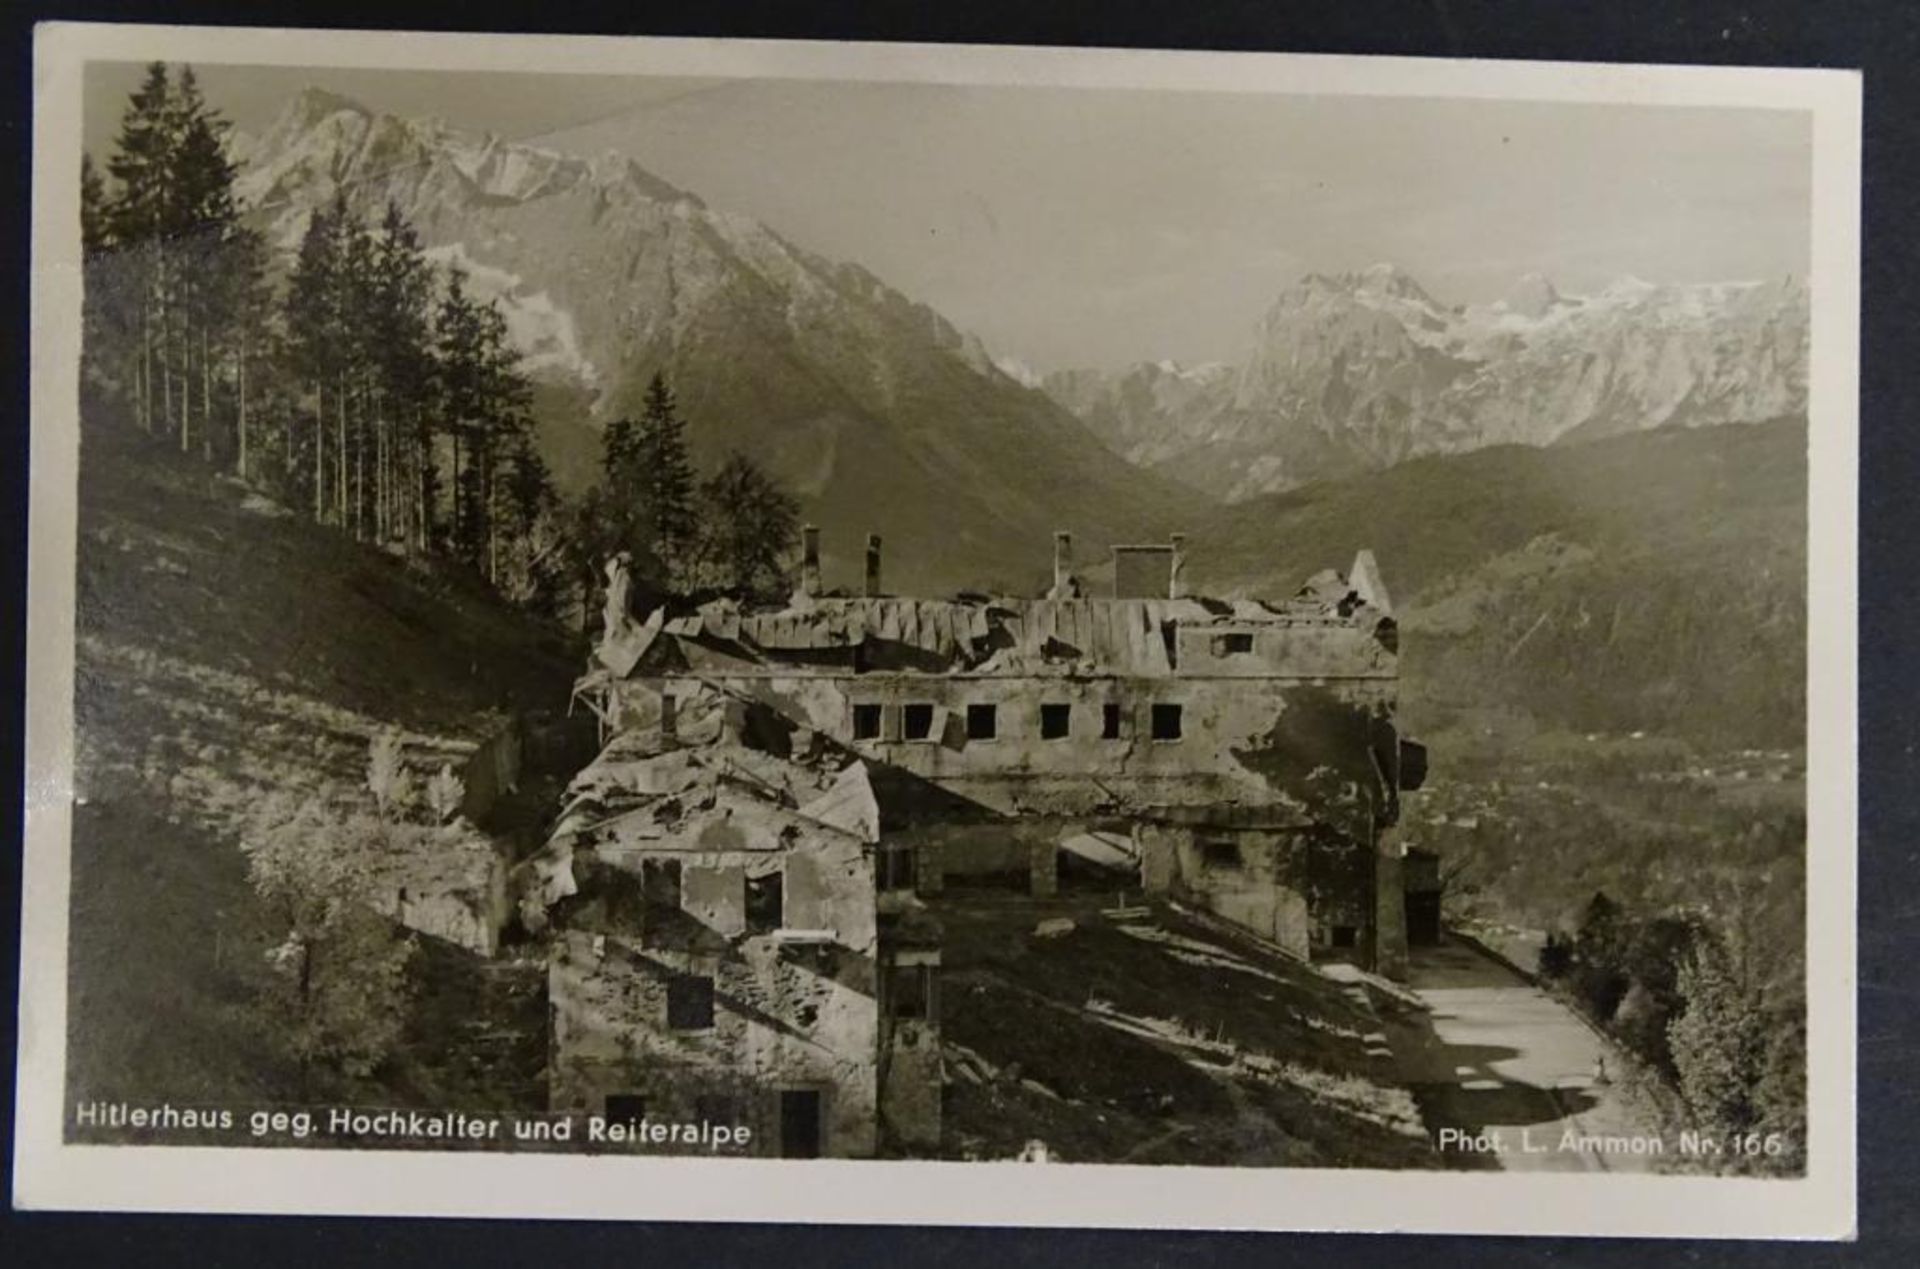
(1355,372)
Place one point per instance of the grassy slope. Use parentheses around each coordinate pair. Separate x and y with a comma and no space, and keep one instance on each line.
(226,653)
(1154,1041)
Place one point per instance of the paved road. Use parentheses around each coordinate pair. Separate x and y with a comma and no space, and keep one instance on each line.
(1504,1073)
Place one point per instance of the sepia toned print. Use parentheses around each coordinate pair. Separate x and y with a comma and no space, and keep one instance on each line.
(665,615)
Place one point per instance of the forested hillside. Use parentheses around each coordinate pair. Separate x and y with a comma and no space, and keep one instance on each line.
(1652,583)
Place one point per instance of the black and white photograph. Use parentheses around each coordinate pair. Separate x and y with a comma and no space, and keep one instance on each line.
(1151,631)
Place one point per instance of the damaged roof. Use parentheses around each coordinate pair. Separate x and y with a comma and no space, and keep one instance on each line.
(1127,637)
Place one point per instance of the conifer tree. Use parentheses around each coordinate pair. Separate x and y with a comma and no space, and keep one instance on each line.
(666,491)
(748,527)
(313,330)
(484,400)
(139,218)
(399,326)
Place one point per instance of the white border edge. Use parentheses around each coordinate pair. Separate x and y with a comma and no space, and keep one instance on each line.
(50,1174)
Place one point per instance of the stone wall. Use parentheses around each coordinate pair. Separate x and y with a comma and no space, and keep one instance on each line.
(784,1018)
(794,1004)
(1224,754)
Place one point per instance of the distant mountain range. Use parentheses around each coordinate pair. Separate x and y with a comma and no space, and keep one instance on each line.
(873,408)
(886,418)
(1358,371)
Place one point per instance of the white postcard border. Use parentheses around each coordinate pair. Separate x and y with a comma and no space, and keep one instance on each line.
(50,1173)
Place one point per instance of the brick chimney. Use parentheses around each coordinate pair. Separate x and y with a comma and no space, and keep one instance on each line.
(1062,561)
(810,559)
(872,587)
(1177,567)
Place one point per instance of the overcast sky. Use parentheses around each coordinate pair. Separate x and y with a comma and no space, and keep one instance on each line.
(1074,227)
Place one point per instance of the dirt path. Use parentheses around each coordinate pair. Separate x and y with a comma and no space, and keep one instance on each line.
(1505,1075)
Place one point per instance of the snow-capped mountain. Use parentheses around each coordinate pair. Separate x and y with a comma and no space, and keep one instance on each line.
(875,409)
(1358,371)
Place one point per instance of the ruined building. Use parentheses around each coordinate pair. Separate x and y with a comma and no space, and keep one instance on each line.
(747,877)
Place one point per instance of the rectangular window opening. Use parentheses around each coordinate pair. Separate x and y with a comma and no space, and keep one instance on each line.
(983,722)
(1227,644)
(1110,721)
(866,722)
(690,1002)
(896,868)
(800,1123)
(1055,721)
(766,903)
(1166,722)
(908,992)
(917,721)
(1220,854)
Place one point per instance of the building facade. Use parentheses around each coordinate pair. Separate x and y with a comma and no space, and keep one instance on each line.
(870,750)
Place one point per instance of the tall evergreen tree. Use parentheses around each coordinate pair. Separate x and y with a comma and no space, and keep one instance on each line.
(666,488)
(314,340)
(484,400)
(402,288)
(203,222)
(139,218)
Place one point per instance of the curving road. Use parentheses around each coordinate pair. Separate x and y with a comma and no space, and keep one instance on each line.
(1505,1075)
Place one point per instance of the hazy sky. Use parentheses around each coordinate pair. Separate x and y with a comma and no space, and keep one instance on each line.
(1077,227)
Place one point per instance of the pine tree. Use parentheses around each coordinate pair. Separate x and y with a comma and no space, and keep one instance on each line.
(139,219)
(460,399)
(402,286)
(666,490)
(243,310)
(749,525)
(534,525)
(359,355)
(484,400)
(201,214)
(313,330)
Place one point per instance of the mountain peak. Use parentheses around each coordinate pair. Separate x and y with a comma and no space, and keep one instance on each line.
(312,104)
(1532,296)
(1376,281)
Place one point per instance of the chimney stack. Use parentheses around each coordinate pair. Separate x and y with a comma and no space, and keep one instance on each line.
(1177,567)
(872,589)
(810,559)
(1062,562)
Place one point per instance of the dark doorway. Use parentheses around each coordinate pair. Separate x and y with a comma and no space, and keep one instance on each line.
(1423,918)
(766,903)
(799,1123)
(625,1108)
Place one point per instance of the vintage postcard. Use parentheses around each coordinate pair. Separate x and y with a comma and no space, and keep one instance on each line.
(677,629)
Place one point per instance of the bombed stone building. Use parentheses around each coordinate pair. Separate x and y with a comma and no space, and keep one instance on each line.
(747,877)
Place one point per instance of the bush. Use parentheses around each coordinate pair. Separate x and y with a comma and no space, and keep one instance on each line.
(337,999)
(1719,1044)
